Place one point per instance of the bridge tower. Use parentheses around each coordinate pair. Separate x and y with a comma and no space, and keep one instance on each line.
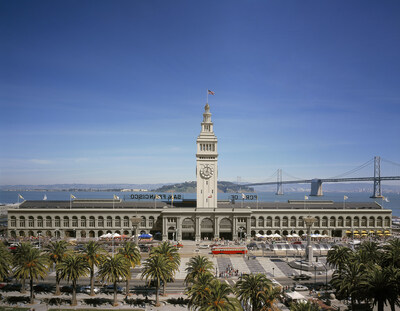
(279,185)
(377,178)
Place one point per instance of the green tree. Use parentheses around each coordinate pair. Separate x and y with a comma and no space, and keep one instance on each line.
(338,256)
(218,298)
(33,266)
(5,262)
(20,253)
(249,289)
(112,269)
(56,252)
(369,253)
(199,292)
(94,254)
(72,268)
(172,256)
(304,306)
(157,269)
(132,254)
(351,281)
(381,286)
(391,256)
(196,266)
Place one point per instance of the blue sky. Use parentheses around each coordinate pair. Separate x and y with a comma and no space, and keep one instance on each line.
(114,91)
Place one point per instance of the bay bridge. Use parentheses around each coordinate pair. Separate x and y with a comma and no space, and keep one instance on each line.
(316,183)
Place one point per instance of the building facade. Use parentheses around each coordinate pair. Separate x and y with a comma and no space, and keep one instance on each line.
(208,218)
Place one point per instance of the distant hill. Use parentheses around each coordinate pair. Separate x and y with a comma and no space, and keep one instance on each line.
(190,187)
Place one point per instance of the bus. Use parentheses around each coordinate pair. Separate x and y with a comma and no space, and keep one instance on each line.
(229,250)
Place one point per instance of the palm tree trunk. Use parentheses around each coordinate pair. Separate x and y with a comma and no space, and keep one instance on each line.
(157,299)
(73,301)
(58,292)
(23,291)
(164,291)
(127,286)
(31,284)
(115,294)
(92,281)
(380,305)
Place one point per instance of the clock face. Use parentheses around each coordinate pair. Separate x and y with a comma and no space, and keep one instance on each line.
(206,171)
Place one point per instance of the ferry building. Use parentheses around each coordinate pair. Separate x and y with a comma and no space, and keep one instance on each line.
(205,217)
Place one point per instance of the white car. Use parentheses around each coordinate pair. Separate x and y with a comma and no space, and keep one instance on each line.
(86,289)
(299,287)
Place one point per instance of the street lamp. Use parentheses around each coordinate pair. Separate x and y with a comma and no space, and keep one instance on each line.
(315,276)
(39,234)
(273,272)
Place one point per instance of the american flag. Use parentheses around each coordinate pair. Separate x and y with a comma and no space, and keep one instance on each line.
(211,92)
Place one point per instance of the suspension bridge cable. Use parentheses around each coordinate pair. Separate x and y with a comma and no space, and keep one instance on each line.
(390,162)
(291,176)
(354,169)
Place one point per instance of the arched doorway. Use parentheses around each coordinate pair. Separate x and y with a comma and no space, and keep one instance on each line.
(188,229)
(225,229)
(207,229)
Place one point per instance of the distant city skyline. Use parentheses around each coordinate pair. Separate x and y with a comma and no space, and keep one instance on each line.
(113,92)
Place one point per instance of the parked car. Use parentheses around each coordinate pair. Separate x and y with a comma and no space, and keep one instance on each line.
(299,287)
(301,277)
(86,289)
(44,288)
(109,289)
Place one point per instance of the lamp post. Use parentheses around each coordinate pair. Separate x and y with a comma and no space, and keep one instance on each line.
(315,276)
(135,224)
(39,234)
(273,272)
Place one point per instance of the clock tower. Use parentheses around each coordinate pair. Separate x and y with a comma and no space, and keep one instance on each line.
(207,168)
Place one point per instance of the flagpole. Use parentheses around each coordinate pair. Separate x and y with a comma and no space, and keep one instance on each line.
(70,202)
(207,96)
(113,200)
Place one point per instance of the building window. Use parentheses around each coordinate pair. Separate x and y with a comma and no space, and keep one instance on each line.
(325,222)
(101,221)
(83,222)
(379,222)
(143,222)
(253,221)
(13,222)
(57,222)
(109,221)
(332,222)
(48,222)
(340,221)
(40,222)
(126,221)
(66,221)
(277,221)
(31,222)
(91,222)
(261,222)
(293,221)
(118,221)
(151,221)
(75,222)
(285,222)
(269,222)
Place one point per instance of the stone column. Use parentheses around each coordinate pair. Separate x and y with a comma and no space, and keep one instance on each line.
(248,228)
(309,222)
(234,227)
(197,230)
(179,229)
(216,227)
(165,229)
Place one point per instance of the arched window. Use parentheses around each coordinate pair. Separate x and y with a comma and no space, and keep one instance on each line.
(379,221)
(277,222)
(31,222)
(371,221)
(340,221)
(387,221)
(151,221)
(293,221)
(269,221)
(285,221)
(317,222)
(253,221)
(364,221)
(13,221)
(83,222)
(74,221)
(301,222)
(117,221)
(126,221)
(57,221)
(332,221)
(48,222)
(92,223)
(109,221)
(143,222)
(348,221)
(100,221)
(261,221)
(40,221)
(324,221)
(356,221)
(66,221)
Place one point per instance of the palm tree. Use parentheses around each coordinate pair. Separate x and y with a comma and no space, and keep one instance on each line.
(172,256)
(338,256)
(34,266)
(200,290)
(249,289)
(72,268)
(56,252)
(392,253)
(114,268)
(5,262)
(21,252)
(351,281)
(132,254)
(196,266)
(382,286)
(94,254)
(369,253)
(218,298)
(268,297)
(304,306)
(157,269)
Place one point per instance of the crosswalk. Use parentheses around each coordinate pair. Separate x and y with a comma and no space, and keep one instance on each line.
(270,267)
